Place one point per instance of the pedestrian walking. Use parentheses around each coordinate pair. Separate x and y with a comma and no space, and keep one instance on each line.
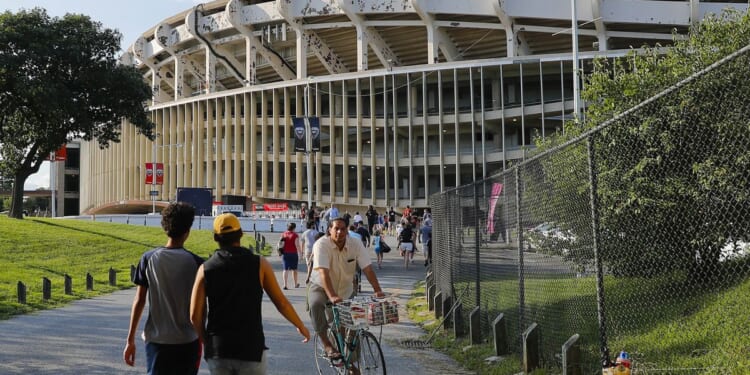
(164,278)
(225,308)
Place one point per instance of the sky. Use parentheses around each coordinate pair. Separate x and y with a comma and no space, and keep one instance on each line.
(130,17)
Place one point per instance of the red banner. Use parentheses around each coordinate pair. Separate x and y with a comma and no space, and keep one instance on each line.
(275,207)
(150,173)
(60,155)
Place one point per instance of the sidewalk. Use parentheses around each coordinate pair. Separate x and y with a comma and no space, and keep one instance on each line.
(88,336)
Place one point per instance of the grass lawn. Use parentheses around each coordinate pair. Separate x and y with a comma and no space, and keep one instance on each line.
(705,331)
(34,248)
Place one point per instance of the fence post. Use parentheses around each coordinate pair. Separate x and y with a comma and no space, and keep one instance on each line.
(68,285)
(21,293)
(531,343)
(477,242)
(431,297)
(112,277)
(448,321)
(519,233)
(132,273)
(89,282)
(593,182)
(500,335)
(571,356)
(458,321)
(438,302)
(46,288)
(475,327)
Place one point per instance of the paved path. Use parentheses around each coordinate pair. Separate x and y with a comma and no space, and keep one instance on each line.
(87,336)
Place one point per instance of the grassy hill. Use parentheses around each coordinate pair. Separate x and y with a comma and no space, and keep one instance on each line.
(34,248)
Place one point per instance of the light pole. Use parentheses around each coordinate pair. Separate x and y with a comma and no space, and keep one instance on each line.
(308,146)
(153,178)
(576,93)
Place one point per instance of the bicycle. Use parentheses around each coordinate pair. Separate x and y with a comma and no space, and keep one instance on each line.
(349,333)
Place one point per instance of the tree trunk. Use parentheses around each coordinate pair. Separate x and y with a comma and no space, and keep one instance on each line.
(16,203)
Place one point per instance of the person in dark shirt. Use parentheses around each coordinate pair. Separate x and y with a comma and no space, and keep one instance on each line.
(225,306)
(362,231)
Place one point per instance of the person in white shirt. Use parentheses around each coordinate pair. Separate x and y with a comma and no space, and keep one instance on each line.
(308,239)
(335,260)
(357,218)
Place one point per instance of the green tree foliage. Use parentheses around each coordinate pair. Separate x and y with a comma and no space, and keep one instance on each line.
(60,80)
(672,172)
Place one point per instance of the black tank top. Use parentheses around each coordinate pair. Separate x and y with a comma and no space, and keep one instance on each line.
(234,328)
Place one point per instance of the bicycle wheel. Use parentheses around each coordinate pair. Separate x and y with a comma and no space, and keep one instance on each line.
(370,358)
(322,363)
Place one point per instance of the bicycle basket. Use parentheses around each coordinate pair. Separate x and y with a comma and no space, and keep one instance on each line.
(361,314)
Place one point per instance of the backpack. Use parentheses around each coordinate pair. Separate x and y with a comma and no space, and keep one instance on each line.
(280,246)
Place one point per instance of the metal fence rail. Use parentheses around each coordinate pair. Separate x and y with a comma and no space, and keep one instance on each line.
(616,233)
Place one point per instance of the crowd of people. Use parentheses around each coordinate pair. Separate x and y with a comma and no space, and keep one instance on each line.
(216,303)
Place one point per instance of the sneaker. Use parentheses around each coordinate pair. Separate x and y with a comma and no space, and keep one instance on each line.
(285,288)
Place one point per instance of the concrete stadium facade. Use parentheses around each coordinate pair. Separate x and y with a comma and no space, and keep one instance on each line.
(414,96)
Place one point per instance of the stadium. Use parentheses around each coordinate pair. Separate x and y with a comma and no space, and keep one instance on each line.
(412,96)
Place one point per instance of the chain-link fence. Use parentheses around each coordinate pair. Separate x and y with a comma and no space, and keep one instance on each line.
(633,235)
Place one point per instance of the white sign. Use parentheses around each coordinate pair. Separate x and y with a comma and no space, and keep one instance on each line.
(219,209)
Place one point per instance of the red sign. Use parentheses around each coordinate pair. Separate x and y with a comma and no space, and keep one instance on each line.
(159,173)
(60,155)
(275,207)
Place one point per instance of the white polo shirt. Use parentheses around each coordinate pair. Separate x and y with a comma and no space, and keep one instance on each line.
(341,264)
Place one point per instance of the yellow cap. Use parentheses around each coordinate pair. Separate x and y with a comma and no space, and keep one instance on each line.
(226,223)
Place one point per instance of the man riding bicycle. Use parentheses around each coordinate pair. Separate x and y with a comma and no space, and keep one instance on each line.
(335,260)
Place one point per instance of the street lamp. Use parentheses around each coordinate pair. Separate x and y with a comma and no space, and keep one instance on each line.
(308,144)
(152,193)
(576,93)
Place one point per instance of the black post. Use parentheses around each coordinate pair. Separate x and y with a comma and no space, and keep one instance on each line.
(89,282)
(68,285)
(21,293)
(597,256)
(132,273)
(46,288)
(519,230)
(477,240)
(112,277)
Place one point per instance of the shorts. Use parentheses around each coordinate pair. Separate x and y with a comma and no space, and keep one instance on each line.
(221,366)
(406,246)
(290,261)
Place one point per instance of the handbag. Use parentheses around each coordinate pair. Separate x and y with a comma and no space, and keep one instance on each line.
(280,246)
(384,248)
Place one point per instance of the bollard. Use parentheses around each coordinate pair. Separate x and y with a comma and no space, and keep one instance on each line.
(132,273)
(475,327)
(46,288)
(112,277)
(531,341)
(68,285)
(21,293)
(500,335)
(571,356)
(89,282)
(127,219)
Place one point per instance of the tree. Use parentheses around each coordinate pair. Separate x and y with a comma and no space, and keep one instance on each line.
(60,80)
(673,182)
